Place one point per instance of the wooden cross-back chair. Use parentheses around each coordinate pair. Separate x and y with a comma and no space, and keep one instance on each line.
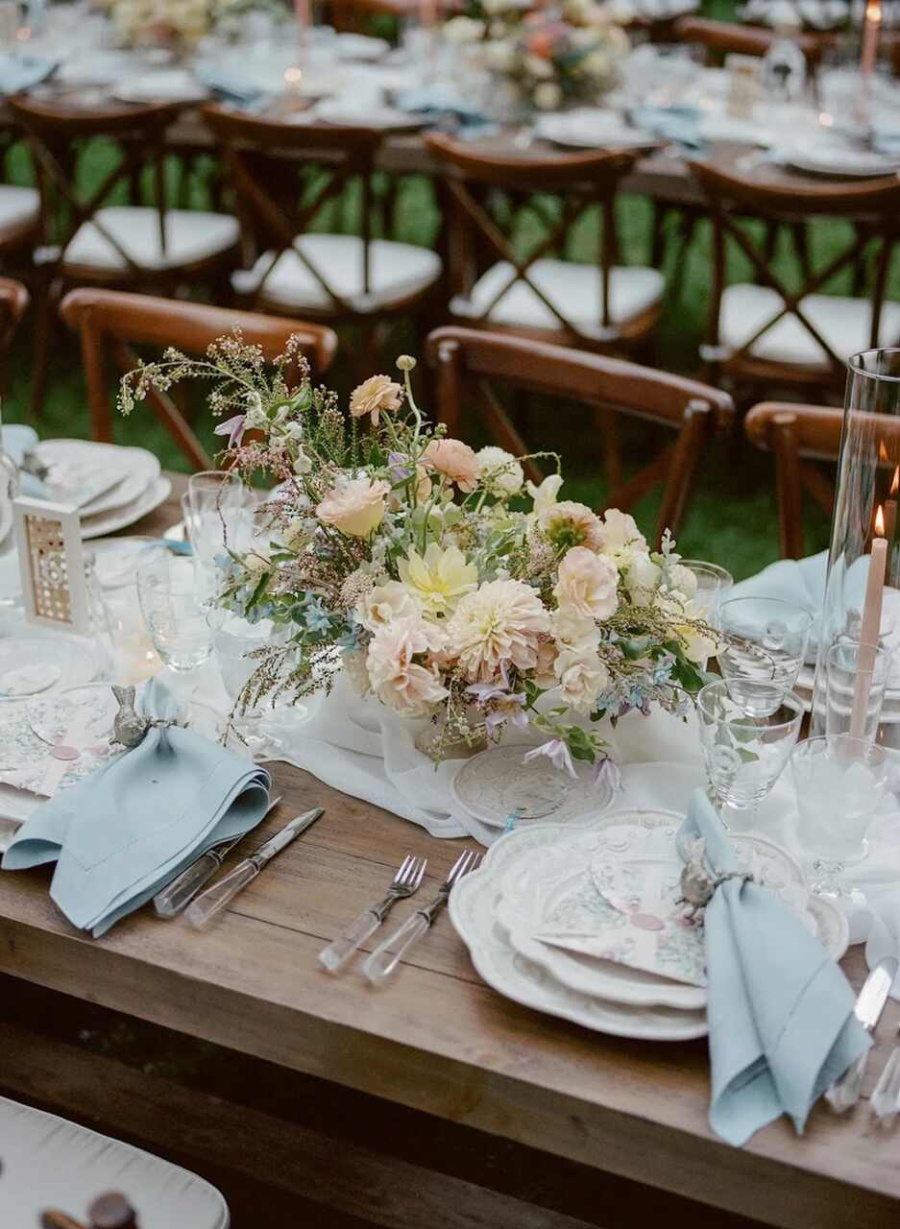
(766,333)
(110,1211)
(90,237)
(115,321)
(361,278)
(468,362)
(14,300)
(721,38)
(599,306)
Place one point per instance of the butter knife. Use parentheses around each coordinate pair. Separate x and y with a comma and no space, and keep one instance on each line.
(178,894)
(844,1092)
(214,899)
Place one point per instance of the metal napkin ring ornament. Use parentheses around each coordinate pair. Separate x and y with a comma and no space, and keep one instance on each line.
(129,727)
(698,885)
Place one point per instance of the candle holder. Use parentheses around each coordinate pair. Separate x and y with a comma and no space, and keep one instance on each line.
(862,587)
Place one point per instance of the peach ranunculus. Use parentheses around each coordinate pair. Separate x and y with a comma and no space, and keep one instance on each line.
(587,584)
(403,684)
(456,460)
(355,506)
(500,623)
(374,395)
(570,524)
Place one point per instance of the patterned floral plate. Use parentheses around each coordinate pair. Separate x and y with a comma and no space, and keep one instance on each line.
(610,998)
(496,784)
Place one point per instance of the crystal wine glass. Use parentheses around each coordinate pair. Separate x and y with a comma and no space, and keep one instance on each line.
(764,643)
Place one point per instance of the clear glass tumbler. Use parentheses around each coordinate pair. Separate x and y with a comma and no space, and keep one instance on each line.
(840,783)
(746,753)
(218,518)
(764,641)
(714,584)
(172,610)
(848,676)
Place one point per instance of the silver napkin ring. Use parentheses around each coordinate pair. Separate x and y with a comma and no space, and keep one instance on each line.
(698,886)
(129,727)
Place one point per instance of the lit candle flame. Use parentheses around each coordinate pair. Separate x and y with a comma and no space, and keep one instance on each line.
(895,481)
(882,451)
(292,78)
(873,12)
(879,522)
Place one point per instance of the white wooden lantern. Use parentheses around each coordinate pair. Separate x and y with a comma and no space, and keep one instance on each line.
(51,564)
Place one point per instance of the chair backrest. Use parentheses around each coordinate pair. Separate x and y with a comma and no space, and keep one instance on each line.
(265,159)
(721,38)
(477,177)
(872,207)
(119,321)
(14,299)
(56,133)
(469,361)
(798,436)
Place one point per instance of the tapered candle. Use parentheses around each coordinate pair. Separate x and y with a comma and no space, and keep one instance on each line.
(870,37)
(890,508)
(871,628)
(302,9)
(428,12)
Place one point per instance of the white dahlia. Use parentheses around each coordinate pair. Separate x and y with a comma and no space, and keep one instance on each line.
(501,621)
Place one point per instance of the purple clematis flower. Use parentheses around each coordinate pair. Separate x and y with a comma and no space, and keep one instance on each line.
(398,467)
(233,428)
(508,709)
(557,752)
(606,772)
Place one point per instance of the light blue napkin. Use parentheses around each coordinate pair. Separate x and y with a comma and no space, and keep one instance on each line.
(123,833)
(21,71)
(781,1022)
(439,102)
(677,125)
(228,83)
(17,439)
(801,581)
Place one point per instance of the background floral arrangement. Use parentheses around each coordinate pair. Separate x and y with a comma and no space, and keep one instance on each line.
(566,54)
(432,575)
(176,23)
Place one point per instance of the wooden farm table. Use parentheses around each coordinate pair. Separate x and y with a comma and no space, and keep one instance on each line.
(438,1039)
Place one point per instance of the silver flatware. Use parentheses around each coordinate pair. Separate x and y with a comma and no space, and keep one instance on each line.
(177,895)
(214,899)
(385,958)
(844,1092)
(405,883)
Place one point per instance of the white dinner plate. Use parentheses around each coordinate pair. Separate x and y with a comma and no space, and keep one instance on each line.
(361,47)
(174,85)
(590,128)
(496,784)
(836,159)
(340,111)
(138,466)
(120,518)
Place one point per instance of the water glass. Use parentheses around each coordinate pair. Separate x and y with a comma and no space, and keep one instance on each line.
(840,783)
(218,517)
(746,753)
(125,637)
(234,639)
(172,610)
(844,675)
(713,587)
(764,642)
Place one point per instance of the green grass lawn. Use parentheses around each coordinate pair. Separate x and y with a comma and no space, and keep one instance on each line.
(732,518)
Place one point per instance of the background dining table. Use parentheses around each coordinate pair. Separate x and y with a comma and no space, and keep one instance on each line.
(627,1118)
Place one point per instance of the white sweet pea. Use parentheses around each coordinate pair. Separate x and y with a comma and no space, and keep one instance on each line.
(545,495)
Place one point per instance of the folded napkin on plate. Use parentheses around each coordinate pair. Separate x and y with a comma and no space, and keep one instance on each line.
(781,1022)
(230,84)
(677,125)
(436,102)
(20,71)
(124,832)
(17,439)
(801,581)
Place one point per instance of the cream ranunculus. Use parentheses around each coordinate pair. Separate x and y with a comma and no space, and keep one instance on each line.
(583,677)
(439,578)
(499,472)
(500,623)
(385,603)
(587,584)
(374,395)
(642,579)
(570,524)
(355,506)
(405,685)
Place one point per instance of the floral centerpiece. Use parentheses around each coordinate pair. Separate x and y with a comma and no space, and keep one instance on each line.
(176,24)
(433,576)
(550,58)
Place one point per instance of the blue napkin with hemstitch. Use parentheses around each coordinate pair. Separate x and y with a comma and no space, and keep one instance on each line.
(121,834)
(17,439)
(781,1022)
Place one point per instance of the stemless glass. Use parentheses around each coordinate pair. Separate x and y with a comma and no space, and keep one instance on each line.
(844,674)
(218,517)
(840,782)
(746,753)
(172,610)
(713,587)
(764,646)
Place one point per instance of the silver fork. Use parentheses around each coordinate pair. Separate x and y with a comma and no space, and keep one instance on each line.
(405,882)
(384,960)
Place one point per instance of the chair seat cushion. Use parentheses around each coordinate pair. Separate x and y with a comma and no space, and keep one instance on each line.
(191,236)
(18,206)
(48,1162)
(396,272)
(574,289)
(845,323)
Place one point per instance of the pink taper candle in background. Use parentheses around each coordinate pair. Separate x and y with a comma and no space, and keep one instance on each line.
(428,13)
(304,17)
(871,627)
(871,27)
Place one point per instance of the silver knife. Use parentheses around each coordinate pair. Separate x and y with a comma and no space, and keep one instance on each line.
(844,1092)
(214,899)
(178,894)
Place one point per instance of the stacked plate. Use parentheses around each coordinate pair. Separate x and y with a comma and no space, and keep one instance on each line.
(579,921)
(112,486)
